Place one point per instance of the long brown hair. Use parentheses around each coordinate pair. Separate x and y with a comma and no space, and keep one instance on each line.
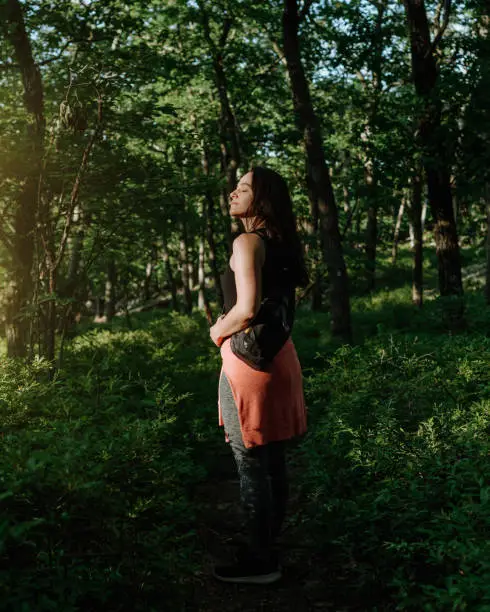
(272,204)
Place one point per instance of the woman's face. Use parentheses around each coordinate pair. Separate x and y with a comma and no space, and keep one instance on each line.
(242,197)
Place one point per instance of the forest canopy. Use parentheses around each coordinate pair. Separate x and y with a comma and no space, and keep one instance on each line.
(125,126)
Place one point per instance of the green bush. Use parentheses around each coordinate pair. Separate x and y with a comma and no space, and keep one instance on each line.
(96,474)
(99,465)
(396,469)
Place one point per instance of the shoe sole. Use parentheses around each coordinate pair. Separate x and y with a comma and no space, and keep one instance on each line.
(260,579)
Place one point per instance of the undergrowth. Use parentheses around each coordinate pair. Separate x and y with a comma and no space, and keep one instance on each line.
(97,471)
(99,465)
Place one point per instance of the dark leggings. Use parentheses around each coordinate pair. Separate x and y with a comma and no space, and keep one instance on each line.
(263,479)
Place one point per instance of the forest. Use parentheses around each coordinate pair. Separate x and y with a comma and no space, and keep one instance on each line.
(124,127)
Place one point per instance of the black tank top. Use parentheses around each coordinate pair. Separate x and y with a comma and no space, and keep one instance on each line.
(276,276)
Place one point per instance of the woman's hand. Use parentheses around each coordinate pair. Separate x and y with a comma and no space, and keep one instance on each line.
(214,332)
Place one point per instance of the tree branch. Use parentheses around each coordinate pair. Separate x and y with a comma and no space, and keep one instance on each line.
(224,34)
(11,66)
(279,51)
(305,9)
(442,28)
(207,32)
(437,15)
(76,185)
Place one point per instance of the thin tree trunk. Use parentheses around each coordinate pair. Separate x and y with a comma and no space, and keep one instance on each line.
(396,231)
(376,54)
(346,167)
(424,214)
(212,256)
(54,253)
(194,268)
(169,273)
(184,261)
(318,176)
(148,280)
(411,233)
(21,247)
(229,134)
(487,283)
(110,290)
(203,302)
(76,246)
(417,249)
(358,219)
(425,74)
(314,248)
(201,295)
(208,213)
(371,228)
(229,230)
(345,192)
(99,308)
(50,326)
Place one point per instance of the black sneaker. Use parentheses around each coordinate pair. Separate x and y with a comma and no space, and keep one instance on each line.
(249,570)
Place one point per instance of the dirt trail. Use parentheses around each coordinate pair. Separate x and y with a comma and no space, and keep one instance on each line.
(304,585)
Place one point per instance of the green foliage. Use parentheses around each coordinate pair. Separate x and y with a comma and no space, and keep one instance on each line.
(397,466)
(96,472)
(99,465)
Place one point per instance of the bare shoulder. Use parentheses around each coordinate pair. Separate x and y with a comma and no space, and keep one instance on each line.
(248,243)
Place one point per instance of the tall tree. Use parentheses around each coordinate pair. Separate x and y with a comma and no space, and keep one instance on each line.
(21,245)
(476,124)
(425,75)
(318,177)
(371,173)
(415,211)
(229,138)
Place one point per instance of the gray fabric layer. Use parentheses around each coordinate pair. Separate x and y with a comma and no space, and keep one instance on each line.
(263,478)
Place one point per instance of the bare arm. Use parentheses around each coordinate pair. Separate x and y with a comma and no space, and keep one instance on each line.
(248,258)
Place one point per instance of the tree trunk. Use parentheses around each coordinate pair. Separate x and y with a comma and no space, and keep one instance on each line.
(417,248)
(194,268)
(318,176)
(184,262)
(487,283)
(424,214)
(201,295)
(99,308)
(229,134)
(229,228)
(346,167)
(212,258)
(203,302)
(312,250)
(50,322)
(358,219)
(169,273)
(376,55)
(371,229)
(396,232)
(148,280)
(208,213)
(76,246)
(110,290)
(21,247)
(436,164)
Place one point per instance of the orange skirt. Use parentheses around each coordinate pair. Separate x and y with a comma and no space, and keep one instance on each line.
(270,405)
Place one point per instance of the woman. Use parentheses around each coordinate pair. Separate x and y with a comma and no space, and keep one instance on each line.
(260,410)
